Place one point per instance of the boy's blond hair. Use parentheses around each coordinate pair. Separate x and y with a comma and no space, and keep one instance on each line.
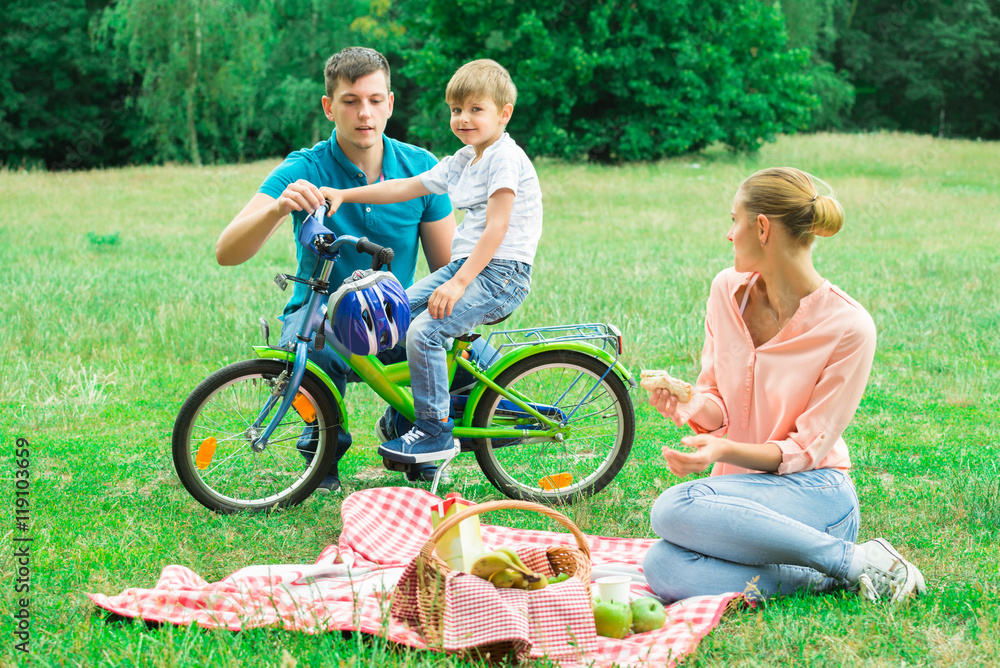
(482,77)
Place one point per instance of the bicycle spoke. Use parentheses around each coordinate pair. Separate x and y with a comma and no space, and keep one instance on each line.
(594,445)
(238,475)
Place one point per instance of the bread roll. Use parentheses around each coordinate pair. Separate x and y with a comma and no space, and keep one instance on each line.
(658,379)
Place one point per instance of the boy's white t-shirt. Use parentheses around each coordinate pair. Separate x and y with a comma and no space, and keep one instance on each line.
(503,165)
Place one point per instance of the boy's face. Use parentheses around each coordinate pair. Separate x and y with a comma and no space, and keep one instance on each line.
(478,122)
(360,110)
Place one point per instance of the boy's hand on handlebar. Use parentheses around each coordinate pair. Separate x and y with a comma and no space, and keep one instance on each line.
(443,299)
(666,403)
(334,199)
(299,196)
(708,450)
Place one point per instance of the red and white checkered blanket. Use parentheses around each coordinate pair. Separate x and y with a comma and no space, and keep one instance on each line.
(350,585)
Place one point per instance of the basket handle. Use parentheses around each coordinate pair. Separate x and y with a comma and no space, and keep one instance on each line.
(480,508)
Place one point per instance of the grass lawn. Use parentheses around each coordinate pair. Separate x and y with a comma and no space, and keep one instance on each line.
(141,313)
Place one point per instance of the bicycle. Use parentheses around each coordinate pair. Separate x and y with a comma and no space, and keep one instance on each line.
(549,419)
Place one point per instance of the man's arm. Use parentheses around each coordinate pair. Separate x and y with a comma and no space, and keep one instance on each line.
(254,225)
(435,239)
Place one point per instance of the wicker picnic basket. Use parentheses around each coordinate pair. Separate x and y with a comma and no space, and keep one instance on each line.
(432,570)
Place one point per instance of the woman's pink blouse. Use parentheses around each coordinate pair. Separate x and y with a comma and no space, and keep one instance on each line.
(799,390)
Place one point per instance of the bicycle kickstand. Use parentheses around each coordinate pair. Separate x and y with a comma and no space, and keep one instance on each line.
(440,471)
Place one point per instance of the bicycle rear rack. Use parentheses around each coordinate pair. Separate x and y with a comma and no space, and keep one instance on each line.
(599,335)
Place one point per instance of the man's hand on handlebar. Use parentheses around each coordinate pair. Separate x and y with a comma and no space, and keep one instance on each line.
(298,196)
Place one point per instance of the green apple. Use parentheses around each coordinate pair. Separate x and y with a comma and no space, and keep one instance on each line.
(613,620)
(647,615)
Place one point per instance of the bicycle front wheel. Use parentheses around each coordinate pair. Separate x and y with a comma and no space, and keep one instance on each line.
(213,440)
(598,418)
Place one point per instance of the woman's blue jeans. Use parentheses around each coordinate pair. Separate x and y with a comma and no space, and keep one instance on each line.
(793,532)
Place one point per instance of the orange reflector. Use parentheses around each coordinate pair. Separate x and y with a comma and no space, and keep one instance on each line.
(304,408)
(205,453)
(556,481)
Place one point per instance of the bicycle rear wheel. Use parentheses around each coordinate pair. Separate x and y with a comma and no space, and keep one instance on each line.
(213,436)
(585,395)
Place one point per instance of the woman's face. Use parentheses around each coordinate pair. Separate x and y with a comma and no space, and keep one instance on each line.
(743,234)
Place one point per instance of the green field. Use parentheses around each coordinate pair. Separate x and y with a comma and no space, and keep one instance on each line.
(140,313)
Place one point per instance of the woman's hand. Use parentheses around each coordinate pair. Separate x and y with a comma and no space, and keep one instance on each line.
(666,403)
(708,450)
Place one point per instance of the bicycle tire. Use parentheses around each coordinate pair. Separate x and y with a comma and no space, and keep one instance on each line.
(237,478)
(598,440)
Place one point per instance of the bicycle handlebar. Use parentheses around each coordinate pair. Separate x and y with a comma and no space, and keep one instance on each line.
(326,244)
(381,255)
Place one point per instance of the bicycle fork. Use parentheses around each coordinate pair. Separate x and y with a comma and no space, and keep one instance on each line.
(286,391)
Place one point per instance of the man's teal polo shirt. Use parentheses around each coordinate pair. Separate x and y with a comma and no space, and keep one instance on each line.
(393,225)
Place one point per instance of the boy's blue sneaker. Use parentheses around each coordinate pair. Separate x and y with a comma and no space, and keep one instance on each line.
(427,441)
(386,430)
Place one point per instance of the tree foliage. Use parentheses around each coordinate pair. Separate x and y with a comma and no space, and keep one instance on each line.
(619,80)
(925,65)
(61,104)
(197,60)
(106,82)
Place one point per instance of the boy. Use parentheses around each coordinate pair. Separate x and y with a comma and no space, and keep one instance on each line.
(489,275)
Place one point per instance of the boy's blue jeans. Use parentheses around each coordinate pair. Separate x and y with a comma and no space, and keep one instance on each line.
(498,289)
(794,531)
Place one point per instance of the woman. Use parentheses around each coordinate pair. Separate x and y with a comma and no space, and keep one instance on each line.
(786,359)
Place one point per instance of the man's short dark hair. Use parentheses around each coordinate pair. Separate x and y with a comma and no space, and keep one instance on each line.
(353,63)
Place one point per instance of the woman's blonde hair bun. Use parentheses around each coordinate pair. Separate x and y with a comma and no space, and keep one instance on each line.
(828,216)
(790,197)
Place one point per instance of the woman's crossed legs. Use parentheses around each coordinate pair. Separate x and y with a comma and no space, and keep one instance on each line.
(719,533)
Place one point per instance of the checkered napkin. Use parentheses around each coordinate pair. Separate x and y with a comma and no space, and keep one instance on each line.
(383,531)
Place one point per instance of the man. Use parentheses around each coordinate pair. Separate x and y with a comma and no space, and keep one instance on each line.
(359,102)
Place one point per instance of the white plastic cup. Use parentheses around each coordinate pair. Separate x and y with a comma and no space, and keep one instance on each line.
(614,588)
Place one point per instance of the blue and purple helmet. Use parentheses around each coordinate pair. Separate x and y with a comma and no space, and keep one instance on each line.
(370,312)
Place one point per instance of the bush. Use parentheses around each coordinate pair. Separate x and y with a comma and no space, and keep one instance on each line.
(613,81)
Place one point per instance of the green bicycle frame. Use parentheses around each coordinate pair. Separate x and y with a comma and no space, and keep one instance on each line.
(390,382)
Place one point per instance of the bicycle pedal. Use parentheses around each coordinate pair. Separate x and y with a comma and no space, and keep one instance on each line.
(399,467)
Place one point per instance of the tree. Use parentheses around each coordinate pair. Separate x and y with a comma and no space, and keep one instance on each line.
(61,105)
(306,33)
(925,65)
(618,80)
(814,25)
(197,60)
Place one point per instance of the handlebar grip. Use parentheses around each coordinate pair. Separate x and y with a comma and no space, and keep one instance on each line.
(381,255)
(370,247)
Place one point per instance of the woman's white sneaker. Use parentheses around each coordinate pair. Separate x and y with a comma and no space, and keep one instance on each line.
(886,575)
